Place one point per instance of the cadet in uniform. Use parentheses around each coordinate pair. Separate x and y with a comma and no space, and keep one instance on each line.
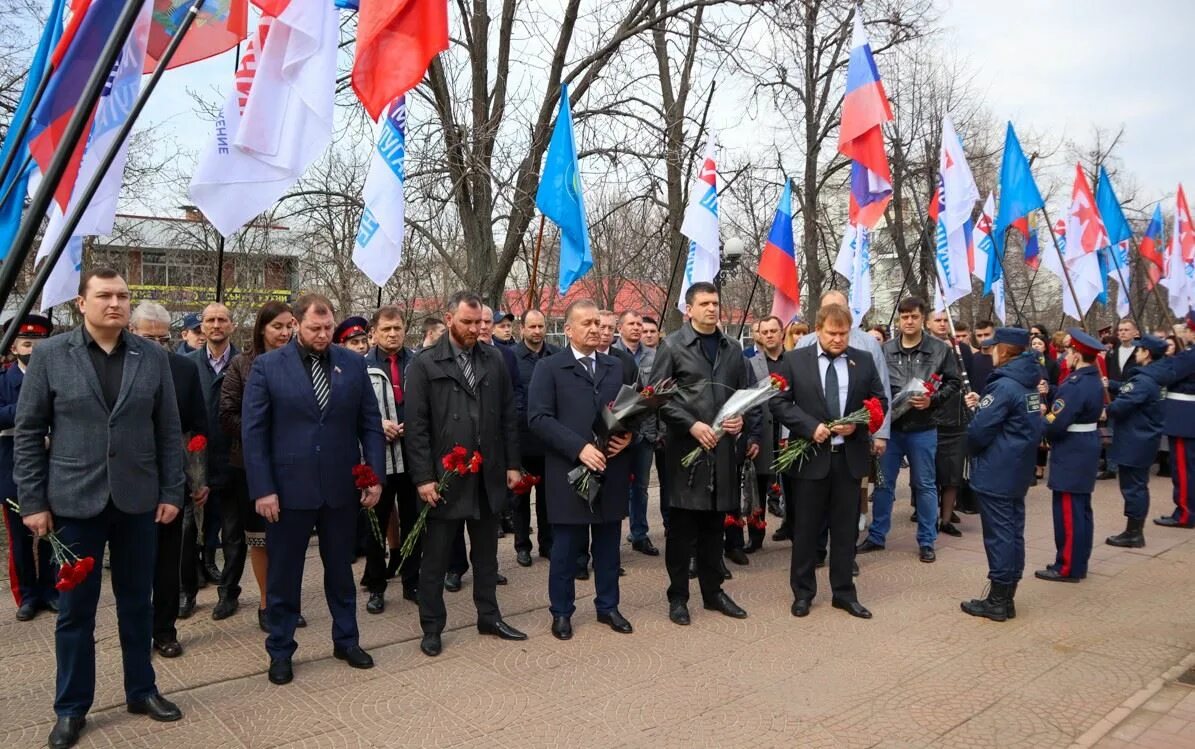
(1137,416)
(32,582)
(1071,427)
(1002,438)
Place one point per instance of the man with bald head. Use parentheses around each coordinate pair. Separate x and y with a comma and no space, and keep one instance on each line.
(212,361)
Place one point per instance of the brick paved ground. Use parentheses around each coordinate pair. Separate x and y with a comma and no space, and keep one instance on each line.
(1081,663)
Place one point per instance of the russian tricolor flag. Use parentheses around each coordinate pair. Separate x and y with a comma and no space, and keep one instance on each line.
(1151,247)
(778,262)
(860,138)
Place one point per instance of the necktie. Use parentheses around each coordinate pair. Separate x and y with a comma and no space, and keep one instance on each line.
(589,365)
(832,404)
(319,383)
(396,379)
(467,369)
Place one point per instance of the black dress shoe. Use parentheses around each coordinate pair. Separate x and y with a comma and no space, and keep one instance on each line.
(452,582)
(1169,521)
(950,529)
(376,603)
(738,556)
(281,672)
(954,518)
(854,608)
(410,594)
(1105,475)
(755,545)
(819,563)
(300,622)
(431,645)
(783,533)
(868,546)
(645,546)
(726,573)
(726,606)
(50,605)
(926,554)
(622,571)
(26,611)
(801,607)
(65,733)
(500,629)
(582,574)
(562,628)
(500,579)
(186,606)
(854,568)
(354,656)
(523,557)
(1054,576)
(224,608)
(617,621)
(678,612)
(212,573)
(913,517)
(156,707)
(168,649)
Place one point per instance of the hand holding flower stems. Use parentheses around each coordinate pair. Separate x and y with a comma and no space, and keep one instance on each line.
(366,480)
(730,417)
(72,569)
(798,450)
(456,462)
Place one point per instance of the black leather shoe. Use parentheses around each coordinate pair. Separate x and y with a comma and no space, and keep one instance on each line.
(726,573)
(1169,521)
(783,533)
(926,554)
(854,568)
(678,613)
(431,645)
(867,546)
(954,518)
(156,707)
(738,556)
(854,608)
(26,611)
(65,733)
(410,594)
(171,649)
(582,574)
(500,629)
(913,517)
(212,573)
(500,579)
(452,582)
(224,608)
(354,656)
(376,603)
(262,623)
(726,606)
(1105,475)
(300,622)
(186,606)
(950,529)
(617,622)
(645,546)
(50,605)
(281,672)
(523,557)
(562,628)
(801,607)
(1054,576)
(622,571)
(819,563)
(755,545)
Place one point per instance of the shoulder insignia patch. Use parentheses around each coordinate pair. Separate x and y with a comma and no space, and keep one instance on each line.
(1059,404)
(1127,387)
(986,401)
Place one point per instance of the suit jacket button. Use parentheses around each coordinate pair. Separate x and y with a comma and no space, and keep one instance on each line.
(317,448)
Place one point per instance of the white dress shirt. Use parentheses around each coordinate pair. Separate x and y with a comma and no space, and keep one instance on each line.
(843,372)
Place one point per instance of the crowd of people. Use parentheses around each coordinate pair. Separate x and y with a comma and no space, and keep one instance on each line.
(340,429)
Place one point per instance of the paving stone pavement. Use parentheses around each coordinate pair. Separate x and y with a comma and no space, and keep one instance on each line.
(1080,664)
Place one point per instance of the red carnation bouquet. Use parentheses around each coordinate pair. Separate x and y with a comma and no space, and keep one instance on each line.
(798,449)
(364,478)
(72,569)
(456,462)
(196,463)
(927,386)
(525,484)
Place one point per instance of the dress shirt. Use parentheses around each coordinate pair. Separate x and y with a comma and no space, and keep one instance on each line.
(218,363)
(843,372)
(1124,356)
(863,341)
(109,367)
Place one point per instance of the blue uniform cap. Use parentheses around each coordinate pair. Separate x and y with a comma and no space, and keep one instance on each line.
(351,327)
(1154,345)
(1012,336)
(1084,342)
(192,321)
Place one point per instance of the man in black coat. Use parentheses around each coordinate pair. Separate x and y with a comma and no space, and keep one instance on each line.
(151,321)
(827,381)
(709,367)
(568,392)
(459,393)
(529,352)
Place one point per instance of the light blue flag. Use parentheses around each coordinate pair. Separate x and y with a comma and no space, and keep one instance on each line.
(559,198)
(1018,197)
(15,181)
(1110,210)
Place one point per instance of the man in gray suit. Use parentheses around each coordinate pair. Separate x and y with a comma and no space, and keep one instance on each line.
(112,468)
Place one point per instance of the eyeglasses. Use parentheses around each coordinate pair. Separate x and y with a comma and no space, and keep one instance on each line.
(163,340)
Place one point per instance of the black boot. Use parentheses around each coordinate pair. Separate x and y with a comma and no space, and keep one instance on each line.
(995,606)
(1012,608)
(1133,536)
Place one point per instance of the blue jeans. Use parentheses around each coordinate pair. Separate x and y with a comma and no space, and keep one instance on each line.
(921,450)
(641,456)
(132,546)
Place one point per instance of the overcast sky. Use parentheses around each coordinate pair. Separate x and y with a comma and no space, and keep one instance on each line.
(1054,67)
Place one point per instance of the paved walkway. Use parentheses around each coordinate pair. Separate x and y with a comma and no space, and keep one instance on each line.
(1081,664)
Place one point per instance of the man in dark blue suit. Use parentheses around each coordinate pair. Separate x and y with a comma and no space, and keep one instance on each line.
(308,416)
(568,391)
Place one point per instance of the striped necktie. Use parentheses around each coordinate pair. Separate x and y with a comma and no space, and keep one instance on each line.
(466,363)
(319,383)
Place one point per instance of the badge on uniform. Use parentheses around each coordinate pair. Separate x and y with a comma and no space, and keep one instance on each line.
(986,401)
(1033,403)
(1127,387)
(1059,404)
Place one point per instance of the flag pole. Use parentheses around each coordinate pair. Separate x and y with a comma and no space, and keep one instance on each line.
(751,298)
(539,241)
(93,185)
(75,131)
(1066,274)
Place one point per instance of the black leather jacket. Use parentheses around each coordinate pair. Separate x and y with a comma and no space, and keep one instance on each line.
(929,356)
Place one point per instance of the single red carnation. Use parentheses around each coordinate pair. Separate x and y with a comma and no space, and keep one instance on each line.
(87,564)
(197,444)
(475,462)
(778,382)
(461,469)
(448,463)
(459,452)
(875,411)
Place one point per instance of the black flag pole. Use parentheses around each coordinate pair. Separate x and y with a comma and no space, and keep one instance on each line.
(71,136)
(79,206)
(1065,273)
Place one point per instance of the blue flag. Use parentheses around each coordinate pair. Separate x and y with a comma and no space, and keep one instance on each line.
(15,182)
(1019,197)
(1110,211)
(559,198)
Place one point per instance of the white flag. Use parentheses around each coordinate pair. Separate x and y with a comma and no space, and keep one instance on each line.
(854,262)
(998,300)
(957,197)
(1177,279)
(111,113)
(277,120)
(701,225)
(378,249)
(981,241)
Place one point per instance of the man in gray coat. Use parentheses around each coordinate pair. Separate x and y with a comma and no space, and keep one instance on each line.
(111,469)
